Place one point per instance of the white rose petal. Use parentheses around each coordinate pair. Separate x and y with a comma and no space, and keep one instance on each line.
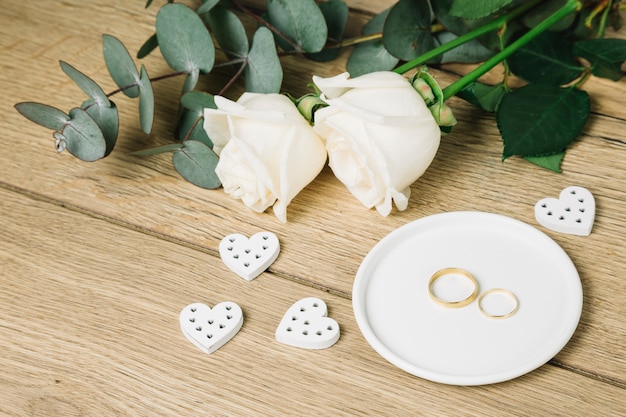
(379,134)
(268,151)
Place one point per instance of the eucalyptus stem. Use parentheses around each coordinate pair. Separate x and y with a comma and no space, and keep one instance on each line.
(569,7)
(487,28)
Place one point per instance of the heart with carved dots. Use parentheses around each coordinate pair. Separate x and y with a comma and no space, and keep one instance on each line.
(572,213)
(307,326)
(249,257)
(210,328)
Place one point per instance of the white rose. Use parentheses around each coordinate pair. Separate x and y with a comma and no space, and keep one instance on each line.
(379,134)
(268,151)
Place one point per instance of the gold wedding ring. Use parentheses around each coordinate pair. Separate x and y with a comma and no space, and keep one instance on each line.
(508,294)
(452,271)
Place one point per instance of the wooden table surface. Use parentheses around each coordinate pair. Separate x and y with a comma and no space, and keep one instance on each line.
(98,259)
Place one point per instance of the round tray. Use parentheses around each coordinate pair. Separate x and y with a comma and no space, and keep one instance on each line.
(460,345)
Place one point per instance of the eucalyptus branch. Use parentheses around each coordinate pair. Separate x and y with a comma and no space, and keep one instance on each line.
(232,79)
(159,78)
(569,7)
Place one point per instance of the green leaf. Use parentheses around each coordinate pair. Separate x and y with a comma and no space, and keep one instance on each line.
(148,46)
(470,52)
(146,101)
(170,147)
(454,24)
(194,104)
(406,33)
(336,15)
(371,56)
(300,20)
(86,84)
(606,56)
(538,120)
(43,115)
(191,80)
(547,59)
(120,65)
(263,72)
(83,136)
(107,119)
(472,9)
(228,31)
(545,9)
(196,162)
(184,40)
(486,97)
(551,162)
(207,6)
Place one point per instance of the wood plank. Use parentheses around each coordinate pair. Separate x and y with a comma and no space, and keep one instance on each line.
(89,326)
(329,232)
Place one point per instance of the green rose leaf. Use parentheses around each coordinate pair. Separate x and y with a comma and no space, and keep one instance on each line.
(486,97)
(547,59)
(148,46)
(544,10)
(336,15)
(538,120)
(263,72)
(606,56)
(184,40)
(146,101)
(43,115)
(107,118)
(120,65)
(371,56)
(228,31)
(83,137)
(301,20)
(406,32)
(86,84)
(472,9)
(551,162)
(196,162)
(194,104)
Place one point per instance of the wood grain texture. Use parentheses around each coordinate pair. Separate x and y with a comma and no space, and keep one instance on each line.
(90,327)
(128,203)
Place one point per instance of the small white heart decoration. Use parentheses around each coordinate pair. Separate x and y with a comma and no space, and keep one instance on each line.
(249,257)
(305,325)
(209,329)
(573,212)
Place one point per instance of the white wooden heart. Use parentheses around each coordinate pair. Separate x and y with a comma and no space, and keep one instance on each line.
(249,257)
(306,325)
(209,329)
(573,212)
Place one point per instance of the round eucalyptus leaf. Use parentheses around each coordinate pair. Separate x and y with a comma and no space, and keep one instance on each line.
(86,84)
(301,20)
(146,101)
(184,40)
(107,119)
(120,65)
(198,101)
(539,119)
(263,72)
(468,53)
(196,163)
(336,15)
(371,56)
(207,5)
(192,119)
(406,33)
(191,80)
(43,115)
(83,136)
(547,59)
(228,31)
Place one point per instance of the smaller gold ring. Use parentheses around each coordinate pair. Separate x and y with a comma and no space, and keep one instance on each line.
(501,291)
(452,271)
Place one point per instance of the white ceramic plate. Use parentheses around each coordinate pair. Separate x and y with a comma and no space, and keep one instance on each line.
(461,346)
